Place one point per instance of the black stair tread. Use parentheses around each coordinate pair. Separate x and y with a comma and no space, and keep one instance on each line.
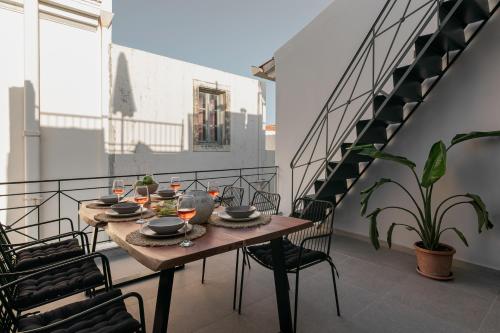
(345,170)
(353,157)
(425,67)
(410,91)
(441,44)
(375,133)
(360,125)
(332,187)
(392,113)
(469,11)
(331,199)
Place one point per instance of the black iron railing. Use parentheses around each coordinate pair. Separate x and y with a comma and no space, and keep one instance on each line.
(387,46)
(63,197)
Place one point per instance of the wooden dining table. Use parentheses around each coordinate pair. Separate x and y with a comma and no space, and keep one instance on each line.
(217,240)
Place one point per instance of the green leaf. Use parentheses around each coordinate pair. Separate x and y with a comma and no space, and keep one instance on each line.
(367,193)
(373,228)
(472,135)
(371,151)
(482,217)
(435,166)
(389,234)
(460,235)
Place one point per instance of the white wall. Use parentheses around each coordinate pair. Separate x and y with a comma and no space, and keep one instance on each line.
(80,79)
(155,96)
(72,44)
(308,68)
(11,104)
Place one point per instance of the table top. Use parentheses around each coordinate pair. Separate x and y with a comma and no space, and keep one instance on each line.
(217,240)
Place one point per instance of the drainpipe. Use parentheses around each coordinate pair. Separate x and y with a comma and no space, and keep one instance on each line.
(31,108)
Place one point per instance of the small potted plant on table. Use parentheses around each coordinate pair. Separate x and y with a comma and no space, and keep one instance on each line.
(148,181)
(434,258)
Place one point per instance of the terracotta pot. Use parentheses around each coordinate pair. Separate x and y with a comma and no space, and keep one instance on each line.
(435,264)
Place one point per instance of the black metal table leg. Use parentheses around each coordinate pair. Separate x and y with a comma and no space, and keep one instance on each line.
(94,238)
(280,283)
(163,300)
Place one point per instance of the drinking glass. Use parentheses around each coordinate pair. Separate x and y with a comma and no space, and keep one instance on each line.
(175,184)
(118,187)
(213,189)
(186,210)
(141,196)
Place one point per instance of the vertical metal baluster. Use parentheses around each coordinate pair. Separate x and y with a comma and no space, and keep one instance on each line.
(59,204)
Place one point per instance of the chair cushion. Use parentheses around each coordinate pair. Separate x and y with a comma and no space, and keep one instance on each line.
(41,255)
(57,283)
(263,253)
(112,318)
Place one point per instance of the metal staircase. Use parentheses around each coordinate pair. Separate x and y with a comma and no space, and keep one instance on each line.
(408,49)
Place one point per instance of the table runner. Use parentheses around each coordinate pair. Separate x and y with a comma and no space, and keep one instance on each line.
(219,222)
(103,217)
(136,238)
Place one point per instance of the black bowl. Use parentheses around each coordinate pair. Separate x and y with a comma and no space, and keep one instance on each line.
(166,193)
(125,207)
(109,199)
(240,212)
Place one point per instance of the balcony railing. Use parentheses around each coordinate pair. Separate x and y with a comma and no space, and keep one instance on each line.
(63,197)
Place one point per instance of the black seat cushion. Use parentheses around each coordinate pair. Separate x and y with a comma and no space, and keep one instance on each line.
(42,255)
(112,318)
(56,283)
(263,253)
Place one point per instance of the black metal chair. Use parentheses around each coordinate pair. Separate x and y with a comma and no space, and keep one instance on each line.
(53,282)
(105,312)
(38,253)
(267,203)
(231,197)
(302,249)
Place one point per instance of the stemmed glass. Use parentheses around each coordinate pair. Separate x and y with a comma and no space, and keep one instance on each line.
(186,210)
(175,184)
(118,187)
(213,189)
(141,196)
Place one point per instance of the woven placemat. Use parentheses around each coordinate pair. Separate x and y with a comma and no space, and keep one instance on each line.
(97,205)
(219,222)
(103,217)
(136,238)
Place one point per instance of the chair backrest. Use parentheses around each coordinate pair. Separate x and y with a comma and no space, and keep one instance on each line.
(6,257)
(232,196)
(267,203)
(8,321)
(321,213)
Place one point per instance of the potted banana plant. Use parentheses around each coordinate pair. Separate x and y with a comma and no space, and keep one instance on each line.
(434,259)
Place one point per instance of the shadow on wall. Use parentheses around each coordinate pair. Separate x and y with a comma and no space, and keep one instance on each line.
(15,159)
(74,145)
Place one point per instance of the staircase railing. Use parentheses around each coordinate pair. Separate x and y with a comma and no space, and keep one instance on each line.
(386,46)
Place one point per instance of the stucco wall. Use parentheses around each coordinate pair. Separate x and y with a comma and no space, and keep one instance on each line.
(309,66)
(152,102)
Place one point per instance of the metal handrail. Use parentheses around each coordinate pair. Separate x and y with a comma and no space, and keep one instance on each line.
(316,160)
(73,191)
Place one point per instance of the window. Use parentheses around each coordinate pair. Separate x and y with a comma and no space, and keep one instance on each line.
(211,119)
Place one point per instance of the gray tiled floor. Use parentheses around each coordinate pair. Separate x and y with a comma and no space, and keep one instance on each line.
(379,292)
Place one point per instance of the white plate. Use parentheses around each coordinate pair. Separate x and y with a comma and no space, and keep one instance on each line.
(116,214)
(225,216)
(146,231)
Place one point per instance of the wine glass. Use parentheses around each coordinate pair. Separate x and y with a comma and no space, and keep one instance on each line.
(213,189)
(118,187)
(141,196)
(186,210)
(175,184)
